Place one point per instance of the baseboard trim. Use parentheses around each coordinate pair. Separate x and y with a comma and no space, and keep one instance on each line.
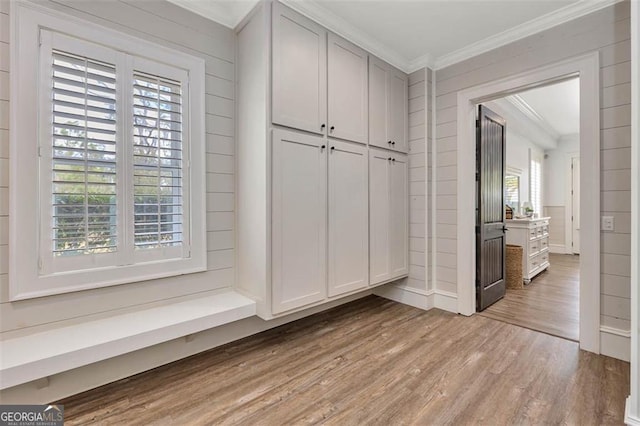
(630,419)
(558,249)
(446,300)
(615,343)
(421,299)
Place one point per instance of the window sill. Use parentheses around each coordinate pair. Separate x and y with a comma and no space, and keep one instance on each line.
(43,354)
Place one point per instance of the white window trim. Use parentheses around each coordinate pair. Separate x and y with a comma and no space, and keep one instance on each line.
(25,280)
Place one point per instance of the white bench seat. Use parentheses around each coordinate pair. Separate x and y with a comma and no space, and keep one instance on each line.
(43,354)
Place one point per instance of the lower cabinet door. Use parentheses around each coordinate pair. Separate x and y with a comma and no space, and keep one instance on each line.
(299,220)
(399,216)
(379,213)
(348,217)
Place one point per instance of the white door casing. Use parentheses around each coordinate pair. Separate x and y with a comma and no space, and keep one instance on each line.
(575,205)
(587,68)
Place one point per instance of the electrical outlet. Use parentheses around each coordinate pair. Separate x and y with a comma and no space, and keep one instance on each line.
(607,223)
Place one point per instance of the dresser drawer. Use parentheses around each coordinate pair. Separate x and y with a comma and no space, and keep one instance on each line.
(534,247)
(544,243)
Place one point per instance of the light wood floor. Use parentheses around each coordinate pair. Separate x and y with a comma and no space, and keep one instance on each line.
(373,362)
(549,303)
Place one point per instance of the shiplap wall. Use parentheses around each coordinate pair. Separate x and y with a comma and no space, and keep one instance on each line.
(168,25)
(419,184)
(607,31)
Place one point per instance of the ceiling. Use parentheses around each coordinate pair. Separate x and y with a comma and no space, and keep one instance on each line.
(411,34)
(557,105)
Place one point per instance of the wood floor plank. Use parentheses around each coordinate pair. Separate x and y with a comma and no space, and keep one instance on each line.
(373,362)
(549,303)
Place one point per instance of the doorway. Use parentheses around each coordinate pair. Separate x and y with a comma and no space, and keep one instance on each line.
(587,68)
(541,185)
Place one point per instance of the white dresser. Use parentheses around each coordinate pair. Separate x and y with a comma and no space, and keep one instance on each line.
(533,236)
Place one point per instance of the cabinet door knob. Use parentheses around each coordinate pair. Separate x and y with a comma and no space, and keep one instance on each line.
(393,159)
(393,143)
(331,128)
(389,158)
(389,142)
(332,148)
(323,147)
(322,126)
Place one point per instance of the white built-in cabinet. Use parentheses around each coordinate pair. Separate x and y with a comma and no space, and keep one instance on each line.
(299,78)
(299,223)
(389,218)
(305,170)
(388,106)
(348,208)
(347,90)
(319,80)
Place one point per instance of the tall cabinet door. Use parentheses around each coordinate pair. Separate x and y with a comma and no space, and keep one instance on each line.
(347,90)
(379,215)
(398,110)
(299,73)
(299,220)
(378,103)
(399,216)
(348,217)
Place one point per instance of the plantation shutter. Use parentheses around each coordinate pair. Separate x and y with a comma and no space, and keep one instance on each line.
(535,182)
(157,161)
(83,161)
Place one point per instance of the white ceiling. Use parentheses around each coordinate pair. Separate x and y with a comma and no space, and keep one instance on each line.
(557,105)
(411,34)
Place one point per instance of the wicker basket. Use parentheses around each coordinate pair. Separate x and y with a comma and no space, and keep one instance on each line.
(514,266)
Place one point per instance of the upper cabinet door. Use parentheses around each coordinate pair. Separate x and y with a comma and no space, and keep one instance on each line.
(378,103)
(348,91)
(399,214)
(299,220)
(348,217)
(398,110)
(299,71)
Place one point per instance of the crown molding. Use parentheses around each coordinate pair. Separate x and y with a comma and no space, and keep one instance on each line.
(532,115)
(217,11)
(314,11)
(521,124)
(424,61)
(526,29)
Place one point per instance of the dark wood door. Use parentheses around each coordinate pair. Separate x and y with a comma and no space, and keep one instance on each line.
(490,225)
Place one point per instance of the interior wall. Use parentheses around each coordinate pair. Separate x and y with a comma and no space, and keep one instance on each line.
(607,31)
(518,147)
(171,26)
(419,187)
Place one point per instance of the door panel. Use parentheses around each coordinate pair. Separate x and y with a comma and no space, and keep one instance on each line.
(379,214)
(348,91)
(398,106)
(378,103)
(348,217)
(490,226)
(299,223)
(299,91)
(399,219)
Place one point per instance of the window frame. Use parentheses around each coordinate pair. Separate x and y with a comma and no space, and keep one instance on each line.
(26,260)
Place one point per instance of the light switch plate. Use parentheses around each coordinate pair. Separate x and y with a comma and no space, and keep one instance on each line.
(607,223)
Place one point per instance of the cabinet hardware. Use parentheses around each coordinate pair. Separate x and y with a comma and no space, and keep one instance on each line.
(389,142)
(332,148)
(322,126)
(393,159)
(393,143)
(323,147)
(389,158)
(332,128)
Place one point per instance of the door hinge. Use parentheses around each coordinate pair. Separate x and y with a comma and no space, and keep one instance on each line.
(571,218)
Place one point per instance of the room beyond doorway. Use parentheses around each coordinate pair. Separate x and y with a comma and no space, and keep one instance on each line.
(548,304)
